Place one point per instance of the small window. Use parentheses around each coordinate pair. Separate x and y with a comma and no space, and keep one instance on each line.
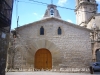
(41,30)
(59,31)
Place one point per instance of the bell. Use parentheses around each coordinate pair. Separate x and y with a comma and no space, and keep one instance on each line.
(52,12)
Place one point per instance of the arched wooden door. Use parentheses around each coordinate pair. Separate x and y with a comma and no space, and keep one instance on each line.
(43,59)
(98,55)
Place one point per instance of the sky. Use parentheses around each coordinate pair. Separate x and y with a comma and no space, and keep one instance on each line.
(30,11)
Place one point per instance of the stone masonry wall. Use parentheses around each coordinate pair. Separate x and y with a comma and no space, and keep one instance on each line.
(71,49)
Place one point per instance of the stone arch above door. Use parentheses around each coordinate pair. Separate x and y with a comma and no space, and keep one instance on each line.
(34,46)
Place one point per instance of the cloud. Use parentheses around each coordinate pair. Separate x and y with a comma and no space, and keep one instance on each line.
(98,1)
(35,14)
(69,21)
(62,2)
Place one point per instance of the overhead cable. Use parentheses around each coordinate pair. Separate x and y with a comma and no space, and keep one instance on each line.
(56,5)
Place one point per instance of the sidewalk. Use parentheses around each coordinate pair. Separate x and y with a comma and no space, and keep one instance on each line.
(46,73)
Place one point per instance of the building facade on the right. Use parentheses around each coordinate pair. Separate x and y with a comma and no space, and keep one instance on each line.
(87,16)
(85,9)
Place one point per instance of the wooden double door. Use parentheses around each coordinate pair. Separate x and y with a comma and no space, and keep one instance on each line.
(43,59)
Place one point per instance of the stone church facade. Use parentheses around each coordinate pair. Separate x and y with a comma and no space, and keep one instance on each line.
(54,44)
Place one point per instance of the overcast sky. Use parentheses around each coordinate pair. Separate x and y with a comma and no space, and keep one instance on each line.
(29,11)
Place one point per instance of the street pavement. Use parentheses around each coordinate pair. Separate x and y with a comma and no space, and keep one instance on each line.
(46,73)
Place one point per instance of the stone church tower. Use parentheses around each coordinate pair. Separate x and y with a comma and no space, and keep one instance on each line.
(85,9)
